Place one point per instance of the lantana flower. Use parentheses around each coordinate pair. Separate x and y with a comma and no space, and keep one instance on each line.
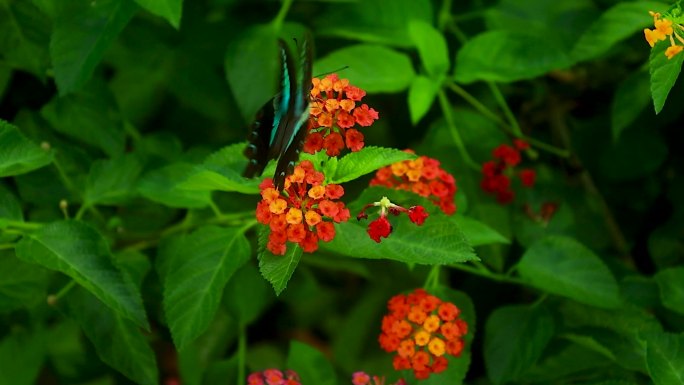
(381,227)
(422,330)
(664,28)
(496,174)
(335,110)
(423,176)
(274,377)
(362,378)
(304,212)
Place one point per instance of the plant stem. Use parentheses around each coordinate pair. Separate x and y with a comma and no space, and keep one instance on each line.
(7,246)
(277,22)
(62,292)
(501,101)
(444,16)
(23,225)
(432,280)
(484,272)
(446,110)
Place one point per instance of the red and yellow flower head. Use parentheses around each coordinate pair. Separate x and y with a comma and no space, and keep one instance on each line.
(304,212)
(422,330)
(334,112)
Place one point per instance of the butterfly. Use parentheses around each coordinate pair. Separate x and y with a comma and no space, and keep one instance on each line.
(280,126)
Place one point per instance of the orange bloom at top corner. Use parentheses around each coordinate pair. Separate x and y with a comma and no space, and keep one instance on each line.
(664,29)
(334,111)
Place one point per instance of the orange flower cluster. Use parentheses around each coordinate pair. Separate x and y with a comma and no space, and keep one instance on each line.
(333,114)
(423,176)
(422,329)
(298,213)
(663,29)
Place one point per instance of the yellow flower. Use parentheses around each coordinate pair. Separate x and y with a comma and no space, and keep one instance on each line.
(672,50)
(664,26)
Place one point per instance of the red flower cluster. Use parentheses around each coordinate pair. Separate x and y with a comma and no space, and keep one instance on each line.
(298,213)
(423,176)
(422,329)
(381,227)
(546,212)
(361,378)
(496,173)
(333,114)
(273,377)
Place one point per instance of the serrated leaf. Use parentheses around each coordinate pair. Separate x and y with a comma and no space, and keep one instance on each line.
(311,365)
(630,99)
(478,233)
(88,116)
(374,68)
(665,358)
(112,181)
(18,155)
(171,10)
(515,337)
(438,241)
(421,96)
(21,284)
(373,21)
(197,267)
(79,251)
(664,73)
(22,354)
(277,269)
(614,25)
(162,186)
(671,285)
(368,159)
(432,47)
(25,35)
(251,65)
(565,267)
(503,56)
(118,342)
(82,33)
(222,171)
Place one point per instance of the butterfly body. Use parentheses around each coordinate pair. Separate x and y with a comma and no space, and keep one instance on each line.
(280,126)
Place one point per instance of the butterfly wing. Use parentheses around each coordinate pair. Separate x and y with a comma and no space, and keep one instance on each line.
(270,119)
(296,125)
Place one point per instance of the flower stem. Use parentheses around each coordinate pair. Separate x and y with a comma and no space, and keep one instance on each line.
(446,109)
(52,299)
(241,354)
(277,22)
(482,271)
(432,280)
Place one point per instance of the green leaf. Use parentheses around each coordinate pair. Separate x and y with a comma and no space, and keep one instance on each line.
(246,309)
(373,21)
(367,160)
(82,33)
(162,186)
(18,155)
(374,68)
(478,233)
(311,365)
(25,32)
(277,269)
(671,285)
(665,358)
(88,116)
(193,286)
(118,342)
(10,208)
(438,241)
(79,251)
(21,284)
(112,181)
(222,171)
(432,48)
(614,25)
(664,73)
(630,99)
(515,337)
(171,10)
(22,354)
(421,96)
(251,65)
(502,56)
(563,266)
